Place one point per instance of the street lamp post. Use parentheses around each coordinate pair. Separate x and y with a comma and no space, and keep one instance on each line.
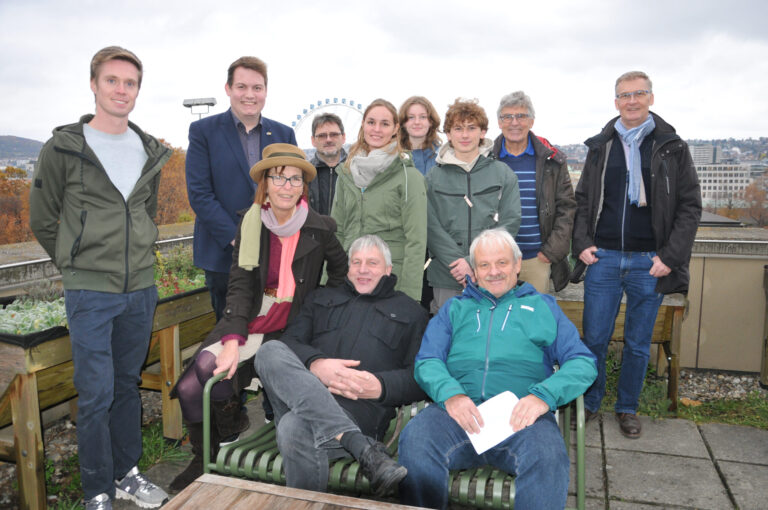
(200,106)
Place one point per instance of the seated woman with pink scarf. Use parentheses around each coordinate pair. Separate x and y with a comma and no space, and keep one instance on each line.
(279,253)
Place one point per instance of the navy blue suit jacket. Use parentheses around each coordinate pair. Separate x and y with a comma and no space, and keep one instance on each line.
(219,184)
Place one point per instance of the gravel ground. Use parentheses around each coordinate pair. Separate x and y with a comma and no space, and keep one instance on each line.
(60,436)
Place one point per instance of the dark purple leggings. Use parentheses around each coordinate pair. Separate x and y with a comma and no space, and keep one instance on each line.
(190,387)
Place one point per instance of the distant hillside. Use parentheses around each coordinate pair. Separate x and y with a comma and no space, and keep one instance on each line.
(17,147)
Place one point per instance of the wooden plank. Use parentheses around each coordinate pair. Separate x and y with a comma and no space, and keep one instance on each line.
(55,384)
(151,381)
(177,310)
(28,442)
(574,310)
(191,332)
(7,451)
(674,362)
(170,370)
(12,362)
(48,354)
(296,495)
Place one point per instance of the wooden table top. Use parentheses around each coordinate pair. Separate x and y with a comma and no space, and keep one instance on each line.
(214,491)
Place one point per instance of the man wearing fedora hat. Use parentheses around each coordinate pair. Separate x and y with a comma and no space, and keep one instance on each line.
(222,149)
(280,249)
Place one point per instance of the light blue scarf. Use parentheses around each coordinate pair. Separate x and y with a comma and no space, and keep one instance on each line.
(633,138)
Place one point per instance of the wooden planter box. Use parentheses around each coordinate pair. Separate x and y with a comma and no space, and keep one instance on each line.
(35,375)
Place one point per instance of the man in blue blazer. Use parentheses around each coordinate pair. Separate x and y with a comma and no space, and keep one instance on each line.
(222,150)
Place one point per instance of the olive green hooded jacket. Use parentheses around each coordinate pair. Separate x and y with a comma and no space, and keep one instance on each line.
(394,207)
(97,239)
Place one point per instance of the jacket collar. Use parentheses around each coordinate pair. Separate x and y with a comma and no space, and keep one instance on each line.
(70,137)
(384,289)
(474,291)
(542,148)
(662,134)
(317,162)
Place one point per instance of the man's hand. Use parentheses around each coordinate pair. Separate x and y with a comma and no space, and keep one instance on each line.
(340,378)
(543,258)
(354,384)
(228,359)
(659,268)
(527,410)
(465,412)
(588,255)
(459,268)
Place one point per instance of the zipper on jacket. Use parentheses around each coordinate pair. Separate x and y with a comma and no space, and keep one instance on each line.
(666,172)
(624,208)
(504,324)
(487,352)
(469,211)
(331,172)
(76,244)
(127,245)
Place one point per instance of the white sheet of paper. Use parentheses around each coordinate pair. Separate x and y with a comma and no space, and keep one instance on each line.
(495,412)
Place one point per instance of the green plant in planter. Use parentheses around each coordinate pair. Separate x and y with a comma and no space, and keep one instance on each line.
(43,306)
(24,316)
(175,273)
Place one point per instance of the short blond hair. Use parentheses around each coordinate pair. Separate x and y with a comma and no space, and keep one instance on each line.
(633,75)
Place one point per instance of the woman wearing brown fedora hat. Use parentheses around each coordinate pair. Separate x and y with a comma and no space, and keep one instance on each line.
(280,249)
(379,191)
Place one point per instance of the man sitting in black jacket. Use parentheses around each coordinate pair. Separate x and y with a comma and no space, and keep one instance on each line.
(341,368)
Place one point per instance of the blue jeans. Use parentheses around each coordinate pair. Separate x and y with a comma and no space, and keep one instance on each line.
(433,443)
(307,415)
(606,280)
(110,337)
(217,286)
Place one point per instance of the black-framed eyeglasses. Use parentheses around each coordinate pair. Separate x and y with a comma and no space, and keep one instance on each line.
(639,94)
(507,117)
(279,180)
(332,136)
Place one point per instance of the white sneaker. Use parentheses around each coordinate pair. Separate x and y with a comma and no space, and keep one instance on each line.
(100,502)
(137,488)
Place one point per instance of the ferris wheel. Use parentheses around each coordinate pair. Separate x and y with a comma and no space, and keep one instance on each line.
(350,112)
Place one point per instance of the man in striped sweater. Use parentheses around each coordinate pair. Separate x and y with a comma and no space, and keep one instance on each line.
(546,194)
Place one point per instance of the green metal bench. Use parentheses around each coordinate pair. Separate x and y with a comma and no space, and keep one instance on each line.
(257,457)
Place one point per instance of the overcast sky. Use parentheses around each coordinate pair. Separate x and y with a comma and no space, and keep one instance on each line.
(708,59)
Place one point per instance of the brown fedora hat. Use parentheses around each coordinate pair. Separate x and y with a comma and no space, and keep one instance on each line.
(283,154)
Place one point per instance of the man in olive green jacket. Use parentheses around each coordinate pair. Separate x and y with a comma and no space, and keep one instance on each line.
(92,205)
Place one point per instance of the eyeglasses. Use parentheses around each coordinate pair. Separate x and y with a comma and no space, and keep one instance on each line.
(332,136)
(626,96)
(279,180)
(507,117)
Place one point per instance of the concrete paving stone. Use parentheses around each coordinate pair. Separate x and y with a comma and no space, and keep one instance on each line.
(591,434)
(669,436)
(593,471)
(628,505)
(748,484)
(664,479)
(589,503)
(737,442)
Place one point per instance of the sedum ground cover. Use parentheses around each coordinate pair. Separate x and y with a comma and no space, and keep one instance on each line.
(44,308)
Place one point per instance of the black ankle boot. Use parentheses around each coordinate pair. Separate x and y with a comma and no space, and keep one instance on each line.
(229,418)
(195,467)
(382,471)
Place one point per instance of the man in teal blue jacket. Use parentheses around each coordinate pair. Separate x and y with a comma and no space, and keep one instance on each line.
(497,336)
